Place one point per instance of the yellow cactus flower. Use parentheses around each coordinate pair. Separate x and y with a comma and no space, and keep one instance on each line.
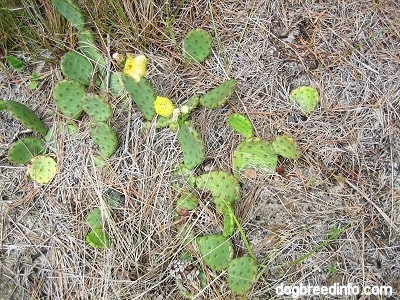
(136,67)
(163,106)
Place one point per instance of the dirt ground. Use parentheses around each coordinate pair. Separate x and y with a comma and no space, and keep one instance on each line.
(348,175)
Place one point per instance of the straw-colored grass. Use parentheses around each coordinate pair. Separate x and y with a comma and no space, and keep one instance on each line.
(348,175)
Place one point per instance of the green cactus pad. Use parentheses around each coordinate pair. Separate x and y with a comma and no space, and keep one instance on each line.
(306,97)
(242,273)
(142,94)
(116,85)
(229,223)
(105,137)
(68,96)
(216,251)
(241,124)
(187,201)
(2,105)
(181,173)
(223,187)
(22,151)
(254,154)
(192,146)
(88,47)
(197,45)
(26,116)
(285,146)
(98,239)
(218,96)
(77,67)
(69,10)
(96,107)
(42,169)
(187,107)
(95,218)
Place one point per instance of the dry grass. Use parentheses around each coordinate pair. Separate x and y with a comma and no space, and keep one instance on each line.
(348,50)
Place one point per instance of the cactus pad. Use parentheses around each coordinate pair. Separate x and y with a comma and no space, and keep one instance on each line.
(42,169)
(142,93)
(192,146)
(105,137)
(98,239)
(216,251)
(187,201)
(306,97)
(69,10)
(241,124)
(242,273)
(26,116)
(285,146)
(95,218)
(116,85)
(229,223)
(77,67)
(96,107)
(88,48)
(254,154)
(189,106)
(22,151)
(68,96)
(218,96)
(197,45)
(223,187)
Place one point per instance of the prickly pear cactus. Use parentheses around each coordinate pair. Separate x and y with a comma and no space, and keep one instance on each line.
(98,239)
(96,107)
(76,67)
(68,96)
(223,187)
(187,108)
(197,45)
(242,273)
(69,10)
(105,137)
(142,93)
(229,223)
(22,151)
(241,124)
(216,251)
(254,154)
(192,146)
(218,96)
(306,97)
(88,47)
(42,169)
(187,201)
(26,116)
(285,146)
(116,85)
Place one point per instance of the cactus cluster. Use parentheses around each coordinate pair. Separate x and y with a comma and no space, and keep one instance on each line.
(197,45)
(81,69)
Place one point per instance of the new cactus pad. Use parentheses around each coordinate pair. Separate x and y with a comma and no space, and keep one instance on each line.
(68,96)
(285,146)
(241,124)
(306,97)
(218,96)
(197,45)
